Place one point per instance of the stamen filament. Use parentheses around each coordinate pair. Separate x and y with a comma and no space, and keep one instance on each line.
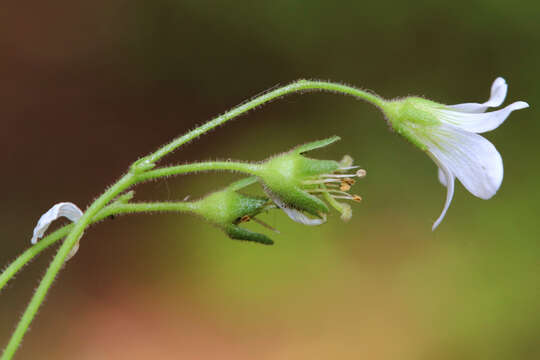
(329,191)
(356,198)
(341,175)
(262,223)
(321,181)
(348,168)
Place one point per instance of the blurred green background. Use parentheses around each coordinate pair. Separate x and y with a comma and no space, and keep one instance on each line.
(87,87)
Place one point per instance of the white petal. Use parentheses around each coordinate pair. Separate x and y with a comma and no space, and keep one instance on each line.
(478,123)
(66,209)
(448,181)
(498,94)
(294,214)
(301,218)
(442,177)
(469,157)
(73,251)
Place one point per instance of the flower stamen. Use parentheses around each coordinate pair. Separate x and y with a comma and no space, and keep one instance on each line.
(336,176)
(262,223)
(361,173)
(345,168)
(245,218)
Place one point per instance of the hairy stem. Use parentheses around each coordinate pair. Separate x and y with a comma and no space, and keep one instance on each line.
(31,252)
(198,167)
(114,209)
(59,259)
(119,209)
(141,173)
(297,86)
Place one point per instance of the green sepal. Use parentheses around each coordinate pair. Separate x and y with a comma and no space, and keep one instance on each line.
(240,184)
(285,176)
(301,200)
(124,198)
(291,169)
(313,167)
(237,233)
(413,118)
(315,144)
(227,208)
(141,165)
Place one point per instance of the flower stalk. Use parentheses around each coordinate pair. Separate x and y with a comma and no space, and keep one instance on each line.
(295,183)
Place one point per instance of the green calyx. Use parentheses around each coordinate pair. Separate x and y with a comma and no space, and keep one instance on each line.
(286,177)
(412,117)
(227,209)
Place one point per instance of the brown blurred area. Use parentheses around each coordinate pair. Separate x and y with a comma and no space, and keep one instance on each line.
(88,87)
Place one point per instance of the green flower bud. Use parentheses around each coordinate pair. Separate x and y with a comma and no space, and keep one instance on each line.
(295,182)
(227,209)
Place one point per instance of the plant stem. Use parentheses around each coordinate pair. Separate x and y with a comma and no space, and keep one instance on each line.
(55,266)
(60,257)
(297,86)
(198,167)
(114,209)
(75,232)
(31,252)
(120,209)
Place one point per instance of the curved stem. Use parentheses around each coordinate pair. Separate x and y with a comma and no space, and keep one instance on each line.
(58,261)
(76,231)
(118,209)
(297,86)
(114,209)
(31,252)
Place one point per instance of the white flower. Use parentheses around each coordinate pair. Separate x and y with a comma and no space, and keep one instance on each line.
(449,134)
(65,209)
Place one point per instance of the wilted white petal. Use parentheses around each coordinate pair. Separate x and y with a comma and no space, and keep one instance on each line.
(294,214)
(302,218)
(498,94)
(478,123)
(73,251)
(442,177)
(469,157)
(447,179)
(65,209)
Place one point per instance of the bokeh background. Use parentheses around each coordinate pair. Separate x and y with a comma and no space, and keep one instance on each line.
(88,86)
